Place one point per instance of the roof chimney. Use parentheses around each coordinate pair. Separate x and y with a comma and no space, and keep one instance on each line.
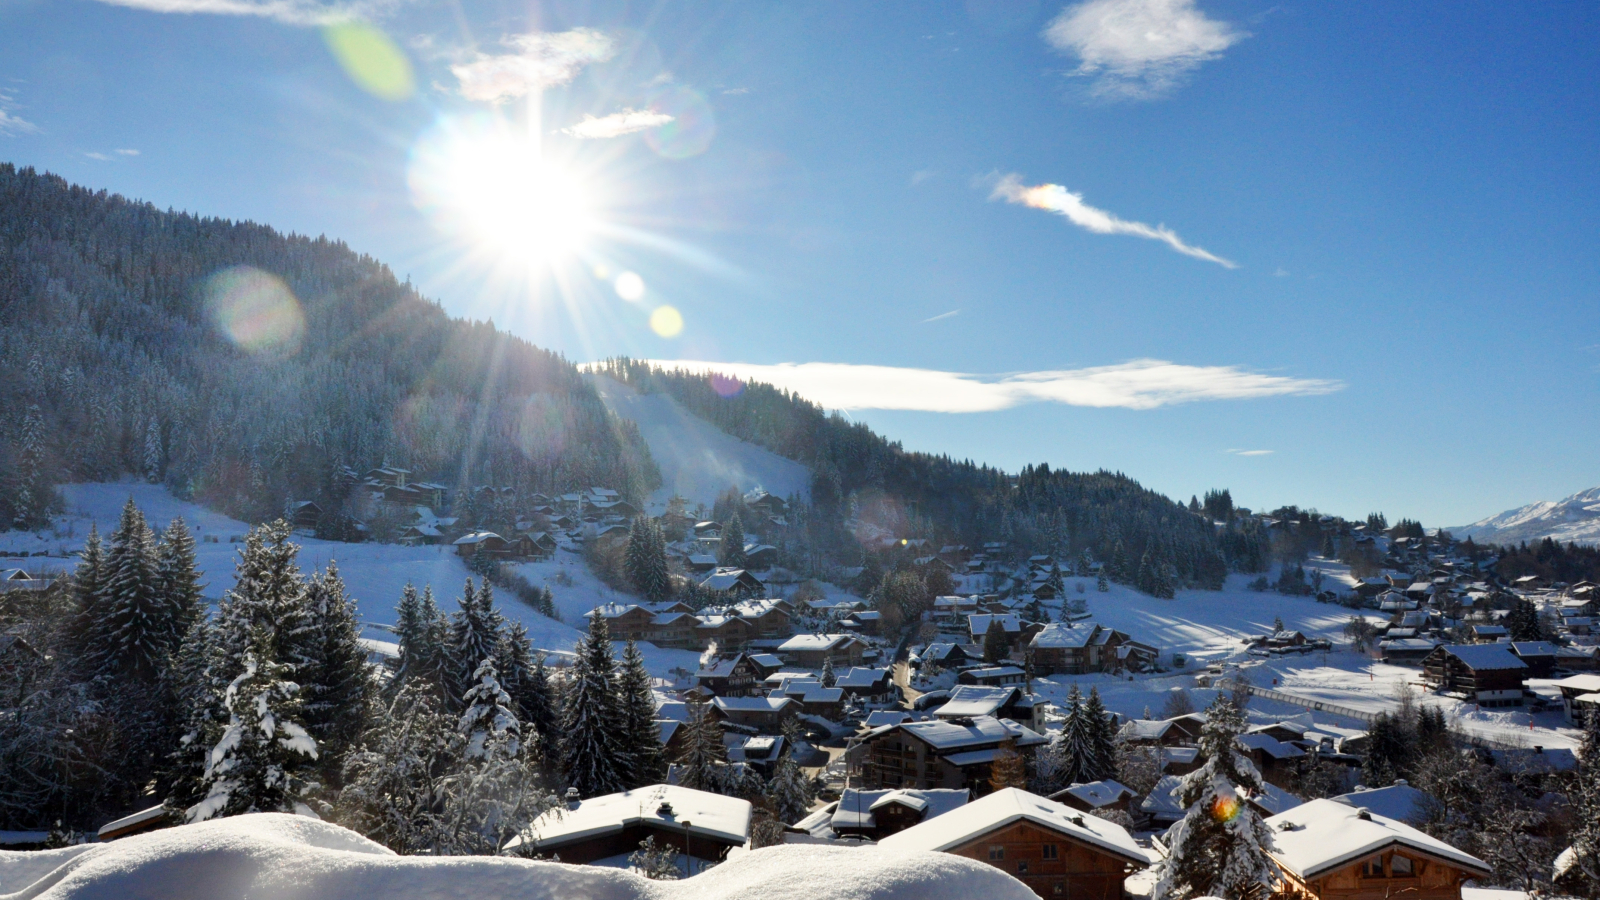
(664,810)
(1364,814)
(572,798)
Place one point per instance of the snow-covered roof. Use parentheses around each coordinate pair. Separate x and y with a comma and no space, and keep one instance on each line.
(1097,794)
(979,623)
(1270,745)
(142,817)
(938,651)
(1323,835)
(1399,801)
(751,704)
(815,642)
(1009,805)
(1274,799)
(882,717)
(1525,649)
(1162,801)
(477,537)
(950,735)
(996,672)
(1059,635)
(710,815)
(855,807)
(977,700)
(859,677)
(1485,657)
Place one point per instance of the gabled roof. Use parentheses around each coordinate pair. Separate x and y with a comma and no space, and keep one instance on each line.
(1398,801)
(1060,635)
(1009,805)
(816,642)
(1323,835)
(1484,657)
(477,537)
(1096,794)
(950,735)
(751,704)
(979,623)
(711,815)
(977,700)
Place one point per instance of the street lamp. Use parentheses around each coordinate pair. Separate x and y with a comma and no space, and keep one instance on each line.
(688,855)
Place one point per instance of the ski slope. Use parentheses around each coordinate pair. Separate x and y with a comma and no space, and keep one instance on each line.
(374,574)
(699,461)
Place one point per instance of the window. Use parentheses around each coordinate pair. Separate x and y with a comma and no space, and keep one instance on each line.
(1399,866)
(997,852)
(1372,868)
(1059,889)
(1022,867)
(1049,851)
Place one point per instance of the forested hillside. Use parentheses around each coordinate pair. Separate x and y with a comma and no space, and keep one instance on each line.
(245,367)
(858,475)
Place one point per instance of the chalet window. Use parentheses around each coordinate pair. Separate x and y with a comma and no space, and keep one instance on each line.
(1372,868)
(1060,888)
(997,852)
(1049,851)
(1399,866)
(1022,867)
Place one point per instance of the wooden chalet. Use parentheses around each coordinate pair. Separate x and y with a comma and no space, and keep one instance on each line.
(304,515)
(735,676)
(625,622)
(955,753)
(1486,674)
(874,815)
(1062,648)
(1181,731)
(698,824)
(810,651)
(493,544)
(535,545)
(1058,852)
(1327,850)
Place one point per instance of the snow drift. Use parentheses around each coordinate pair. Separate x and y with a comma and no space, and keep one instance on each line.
(288,858)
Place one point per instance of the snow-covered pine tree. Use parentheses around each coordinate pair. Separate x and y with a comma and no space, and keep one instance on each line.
(1585,864)
(656,864)
(513,660)
(152,452)
(789,791)
(829,679)
(703,753)
(88,589)
(34,491)
(1076,753)
(474,635)
(268,595)
(178,577)
(642,752)
(264,758)
(1102,737)
(137,629)
(1100,582)
(336,682)
(1220,848)
(392,784)
(645,560)
(433,647)
(543,714)
(590,720)
(496,793)
(732,552)
(1389,751)
(409,629)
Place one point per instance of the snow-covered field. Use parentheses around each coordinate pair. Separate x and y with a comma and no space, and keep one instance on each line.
(374,574)
(697,460)
(1207,627)
(277,855)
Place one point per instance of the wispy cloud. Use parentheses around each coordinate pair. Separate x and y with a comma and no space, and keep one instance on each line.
(10,122)
(289,12)
(100,156)
(126,151)
(1138,49)
(542,59)
(922,175)
(1138,384)
(1251,452)
(1057,199)
(736,92)
(617,124)
(941,316)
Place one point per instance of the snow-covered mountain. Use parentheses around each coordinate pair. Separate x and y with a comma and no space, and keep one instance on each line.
(1576,519)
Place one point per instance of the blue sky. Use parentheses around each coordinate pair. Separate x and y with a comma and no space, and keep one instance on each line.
(1361,236)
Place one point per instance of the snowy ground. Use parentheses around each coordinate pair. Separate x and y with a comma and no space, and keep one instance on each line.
(697,460)
(374,574)
(1208,627)
(275,855)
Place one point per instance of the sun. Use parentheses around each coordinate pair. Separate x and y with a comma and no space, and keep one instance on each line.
(493,189)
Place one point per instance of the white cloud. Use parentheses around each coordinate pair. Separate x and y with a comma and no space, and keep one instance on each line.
(126,151)
(1251,452)
(542,59)
(1057,199)
(100,156)
(941,316)
(289,12)
(10,122)
(1138,384)
(617,124)
(1138,49)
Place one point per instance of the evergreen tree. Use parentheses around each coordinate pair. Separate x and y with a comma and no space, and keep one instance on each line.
(88,589)
(34,492)
(590,756)
(732,554)
(542,713)
(410,632)
(433,646)
(1100,582)
(392,782)
(829,679)
(137,629)
(1584,868)
(996,643)
(336,683)
(640,737)
(1389,751)
(268,596)
(264,755)
(474,635)
(1101,738)
(1143,579)
(178,577)
(152,452)
(1119,563)
(645,560)
(1523,621)
(514,661)
(1220,848)
(496,793)
(789,791)
(703,752)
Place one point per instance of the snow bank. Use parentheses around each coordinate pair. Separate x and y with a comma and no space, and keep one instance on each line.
(280,856)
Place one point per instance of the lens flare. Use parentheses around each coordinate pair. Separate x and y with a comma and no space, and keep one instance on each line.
(256,311)
(371,60)
(726,386)
(666,321)
(1225,808)
(630,286)
(479,181)
(692,127)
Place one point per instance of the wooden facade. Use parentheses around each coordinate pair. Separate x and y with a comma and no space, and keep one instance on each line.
(1051,863)
(1394,871)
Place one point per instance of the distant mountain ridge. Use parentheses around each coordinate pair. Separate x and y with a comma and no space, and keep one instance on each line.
(1575,519)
